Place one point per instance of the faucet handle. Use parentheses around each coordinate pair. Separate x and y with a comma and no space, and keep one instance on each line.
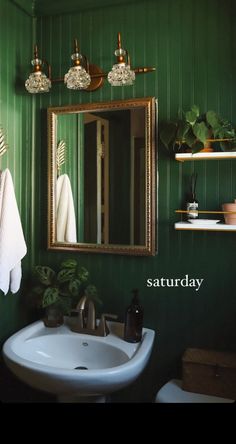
(103,329)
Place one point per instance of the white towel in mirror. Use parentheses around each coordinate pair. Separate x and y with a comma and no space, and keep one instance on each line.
(66,222)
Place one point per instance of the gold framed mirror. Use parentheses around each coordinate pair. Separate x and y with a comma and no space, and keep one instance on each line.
(101,177)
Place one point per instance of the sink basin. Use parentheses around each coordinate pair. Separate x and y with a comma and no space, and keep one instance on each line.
(76,367)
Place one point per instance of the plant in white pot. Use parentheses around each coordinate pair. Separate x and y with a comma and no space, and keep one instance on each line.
(194,131)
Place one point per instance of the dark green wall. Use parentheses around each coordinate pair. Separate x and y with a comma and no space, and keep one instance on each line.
(16,120)
(193,46)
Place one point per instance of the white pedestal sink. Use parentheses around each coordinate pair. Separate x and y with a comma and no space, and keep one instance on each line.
(76,367)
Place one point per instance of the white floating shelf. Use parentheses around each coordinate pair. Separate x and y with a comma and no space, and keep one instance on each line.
(215,227)
(205,156)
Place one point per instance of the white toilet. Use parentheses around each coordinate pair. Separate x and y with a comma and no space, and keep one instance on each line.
(172,392)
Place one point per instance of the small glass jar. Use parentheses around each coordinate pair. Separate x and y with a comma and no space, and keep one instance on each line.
(192,209)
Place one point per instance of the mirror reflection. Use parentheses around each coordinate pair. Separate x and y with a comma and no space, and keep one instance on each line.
(102,159)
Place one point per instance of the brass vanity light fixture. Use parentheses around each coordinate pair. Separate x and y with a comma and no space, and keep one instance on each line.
(78,76)
(38,82)
(84,75)
(121,73)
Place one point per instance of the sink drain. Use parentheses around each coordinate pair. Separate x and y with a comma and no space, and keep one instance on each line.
(81,368)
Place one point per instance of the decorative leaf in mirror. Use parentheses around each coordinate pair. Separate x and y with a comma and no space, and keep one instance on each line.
(109,198)
(61,155)
(3,144)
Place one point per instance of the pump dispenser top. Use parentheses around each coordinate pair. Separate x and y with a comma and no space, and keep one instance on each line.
(134,319)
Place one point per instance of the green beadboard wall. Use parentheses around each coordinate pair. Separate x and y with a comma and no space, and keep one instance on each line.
(16,120)
(193,47)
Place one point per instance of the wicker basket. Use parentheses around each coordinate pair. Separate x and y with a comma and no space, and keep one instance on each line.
(209,372)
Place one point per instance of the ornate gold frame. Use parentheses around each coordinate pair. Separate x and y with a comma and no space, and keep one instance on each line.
(150,105)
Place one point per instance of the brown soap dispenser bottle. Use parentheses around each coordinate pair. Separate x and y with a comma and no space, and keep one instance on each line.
(134,320)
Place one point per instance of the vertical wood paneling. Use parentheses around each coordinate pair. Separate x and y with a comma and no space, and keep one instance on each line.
(192,45)
(16,120)
(194,59)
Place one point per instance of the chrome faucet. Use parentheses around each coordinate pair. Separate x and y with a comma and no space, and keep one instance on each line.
(87,325)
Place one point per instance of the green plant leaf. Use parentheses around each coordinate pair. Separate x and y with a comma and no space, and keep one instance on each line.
(190,138)
(230,133)
(201,131)
(224,130)
(65,275)
(44,274)
(50,296)
(212,119)
(182,130)
(224,146)
(83,274)
(69,263)
(91,292)
(191,116)
(197,146)
(168,133)
(74,287)
(196,110)
(217,131)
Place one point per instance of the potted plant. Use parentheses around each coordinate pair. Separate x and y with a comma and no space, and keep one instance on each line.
(57,292)
(194,131)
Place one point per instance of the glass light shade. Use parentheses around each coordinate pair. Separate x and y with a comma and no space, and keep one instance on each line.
(38,82)
(121,75)
(77,78)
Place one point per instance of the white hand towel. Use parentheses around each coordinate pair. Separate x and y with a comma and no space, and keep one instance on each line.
(12,241)
(66,223)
